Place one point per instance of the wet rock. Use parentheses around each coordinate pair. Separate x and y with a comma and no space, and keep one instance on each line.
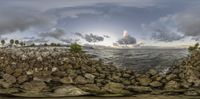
(172,85)
(69,91)
(9,78)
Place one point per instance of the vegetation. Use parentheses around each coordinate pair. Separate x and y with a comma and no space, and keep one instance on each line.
(75,48)
(12,41)
(3,42)
(16,42)
(194,48)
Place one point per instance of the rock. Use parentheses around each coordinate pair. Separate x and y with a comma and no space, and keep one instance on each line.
(39,58)
(69,91)
(9,91)
(170,77)
(152,72)
(172,85)
(33,86)
(9,78)
(22,79)
(92,88)
(4,84)
(81,80)
(23,57)
(155,84)
(66,80)
(144,81)
(114,88)
(186,84)
(139,89)
(191,93)
(89,76)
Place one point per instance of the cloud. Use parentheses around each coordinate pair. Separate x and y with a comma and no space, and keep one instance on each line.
(39,4)
(189,21)
(91,37)
(176,26)
(69,41)
(36,40)
(13,19)
(56,33)
(164,29)
(127,40)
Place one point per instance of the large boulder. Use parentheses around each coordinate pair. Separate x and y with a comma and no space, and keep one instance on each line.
(69,91)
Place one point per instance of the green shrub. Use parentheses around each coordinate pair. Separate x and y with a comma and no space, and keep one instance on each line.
(75,48)
(194,48)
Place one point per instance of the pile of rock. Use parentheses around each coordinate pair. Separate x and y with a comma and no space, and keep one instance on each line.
(54,72)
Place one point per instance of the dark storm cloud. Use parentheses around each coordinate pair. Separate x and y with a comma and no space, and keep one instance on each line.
(14,19)
(106,36)
(54,33)
(127,40)
(91,37)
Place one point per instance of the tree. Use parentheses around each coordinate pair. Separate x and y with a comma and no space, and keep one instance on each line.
(75,48)
(3,42)
(11,41)
(45,44)
(16,42)
(33,44)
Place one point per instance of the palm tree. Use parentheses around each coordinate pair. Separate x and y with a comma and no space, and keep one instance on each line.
(3,42)
(16,42)
(11,41)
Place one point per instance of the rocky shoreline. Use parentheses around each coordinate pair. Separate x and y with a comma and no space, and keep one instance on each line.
(55,72)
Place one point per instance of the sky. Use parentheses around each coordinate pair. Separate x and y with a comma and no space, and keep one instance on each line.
(153,22)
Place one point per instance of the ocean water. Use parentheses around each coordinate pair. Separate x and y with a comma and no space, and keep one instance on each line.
(140,59)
